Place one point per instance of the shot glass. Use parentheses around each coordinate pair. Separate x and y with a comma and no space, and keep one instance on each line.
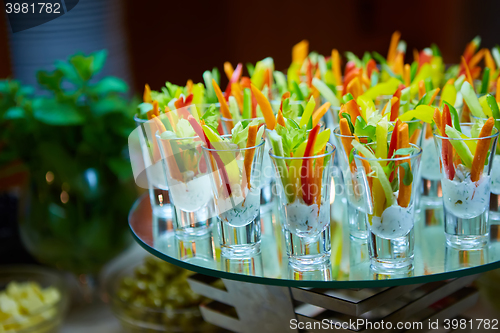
(390,197)
(466,201)
(431,192)
(304,203)
(185,170)
(157,183)
(235,175)
(353,188)
(494,215)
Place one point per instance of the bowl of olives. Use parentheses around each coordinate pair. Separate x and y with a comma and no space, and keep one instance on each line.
(154,296)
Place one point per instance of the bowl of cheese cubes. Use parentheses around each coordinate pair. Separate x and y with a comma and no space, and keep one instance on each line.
(32,300)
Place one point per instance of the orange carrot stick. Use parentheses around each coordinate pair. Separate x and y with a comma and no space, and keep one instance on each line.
(279,119)
(404,190)
(481,150)
(249,153)
(224,108)
(434,95)
(336,67)
(156,126)
(265,107)
(393,47)
(407,75)
(437,119)
(319,113)
(497,96)
(421,89)
(189,86)
(238,94)
(468,75)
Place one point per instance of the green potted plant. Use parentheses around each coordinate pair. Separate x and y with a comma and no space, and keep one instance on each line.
(71,135)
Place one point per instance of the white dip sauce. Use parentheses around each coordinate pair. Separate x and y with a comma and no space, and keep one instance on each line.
(429,167)
(396,221)
(304,220)
(495,175)
(237,210)
(192,195)
(464,198)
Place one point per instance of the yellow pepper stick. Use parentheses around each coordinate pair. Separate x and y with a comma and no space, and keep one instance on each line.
(421,89)
(407,75)
(404,190)
(300,51)
(468,76)
(228,69)
(393,101)
(337,74)
(146,97)
(481,150)
(378,198)
(393,47)
(265,107)
(319,113)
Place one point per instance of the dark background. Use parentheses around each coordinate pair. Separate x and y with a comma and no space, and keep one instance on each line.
(154,41)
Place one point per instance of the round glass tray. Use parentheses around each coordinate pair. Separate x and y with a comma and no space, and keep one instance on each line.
(349,265)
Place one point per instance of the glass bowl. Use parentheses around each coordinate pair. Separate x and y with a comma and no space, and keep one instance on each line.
(43,319)
(154,296)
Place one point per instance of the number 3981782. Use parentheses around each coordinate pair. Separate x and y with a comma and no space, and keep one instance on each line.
(40,8)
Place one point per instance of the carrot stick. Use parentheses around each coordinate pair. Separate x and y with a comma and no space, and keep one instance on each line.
(481,150)
(416,57)
(189,86)
(434,95)
(319,113)
(265,107)
(336,67)
(468,75)
(476,58)
(224,108)
(393,47)
(421,89)
(279,119)
(404,190)
(155,112)
(249,153)
(352,108)
(306,172)
(407,75)
(146,97)
(156,126)
(238,94)
(228,69)
(497,96)
(447,149)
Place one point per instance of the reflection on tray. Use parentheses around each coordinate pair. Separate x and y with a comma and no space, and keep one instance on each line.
(349,260)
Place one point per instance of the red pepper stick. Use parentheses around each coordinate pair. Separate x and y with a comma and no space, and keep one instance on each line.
(447,149)
(309,74)
(307,172)
(234,79)
(370,67)
(393,145)
(199,131)
(395,107)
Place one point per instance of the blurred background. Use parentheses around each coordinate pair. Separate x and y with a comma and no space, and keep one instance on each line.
(155,41)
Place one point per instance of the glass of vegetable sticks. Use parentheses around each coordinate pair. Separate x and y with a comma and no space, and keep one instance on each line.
(494,214)
(186,174)
(353,185)
(304,200)
(466,152)
(391,195)
(157,183)
(235,175)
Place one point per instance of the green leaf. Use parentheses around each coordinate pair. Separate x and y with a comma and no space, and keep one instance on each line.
(144,108)
(50,80)
(15,112)
(83,65)
(108,105)
(408,179)
(120,167)
(110,84)
(69,72)
(50,112)
(349,120)
(361,128)
(405,151)
(99,58)
(211,116)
